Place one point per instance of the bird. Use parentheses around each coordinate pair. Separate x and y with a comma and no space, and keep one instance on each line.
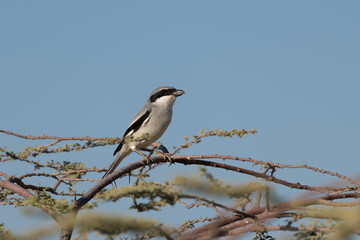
(148,125)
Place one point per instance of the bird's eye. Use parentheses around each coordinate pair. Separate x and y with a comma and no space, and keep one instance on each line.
(165,92)
(161,93)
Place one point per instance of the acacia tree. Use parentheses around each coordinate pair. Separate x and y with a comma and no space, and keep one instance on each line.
(326,212)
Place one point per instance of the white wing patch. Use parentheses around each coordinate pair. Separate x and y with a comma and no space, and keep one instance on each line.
(146,121)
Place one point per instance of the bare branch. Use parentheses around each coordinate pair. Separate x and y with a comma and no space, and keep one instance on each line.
(44,137)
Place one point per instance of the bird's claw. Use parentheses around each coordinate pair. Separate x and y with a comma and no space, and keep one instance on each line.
(167,156)
(149,161)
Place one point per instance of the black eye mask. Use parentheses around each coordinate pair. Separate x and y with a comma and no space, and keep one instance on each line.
(162,93)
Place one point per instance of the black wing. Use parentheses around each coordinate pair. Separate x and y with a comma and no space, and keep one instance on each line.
(118,147)
(136,124)
(134,127)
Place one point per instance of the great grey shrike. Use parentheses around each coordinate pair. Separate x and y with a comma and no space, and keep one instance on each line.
(148,125)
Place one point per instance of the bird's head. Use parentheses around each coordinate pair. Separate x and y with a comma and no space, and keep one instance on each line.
(165,95)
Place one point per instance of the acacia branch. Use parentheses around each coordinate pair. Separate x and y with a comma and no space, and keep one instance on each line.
(230,225)
(44,137)
(272,165)
(241,213)
(192,160)
(186,160)
(26,194)
(243,221)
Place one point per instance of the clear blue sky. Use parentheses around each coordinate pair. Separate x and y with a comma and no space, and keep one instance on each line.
(290,69)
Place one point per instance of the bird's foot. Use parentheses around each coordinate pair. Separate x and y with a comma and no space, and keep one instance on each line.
(149,161)
(166,156)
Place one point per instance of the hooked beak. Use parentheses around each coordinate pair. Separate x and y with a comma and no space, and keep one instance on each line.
(178,92)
